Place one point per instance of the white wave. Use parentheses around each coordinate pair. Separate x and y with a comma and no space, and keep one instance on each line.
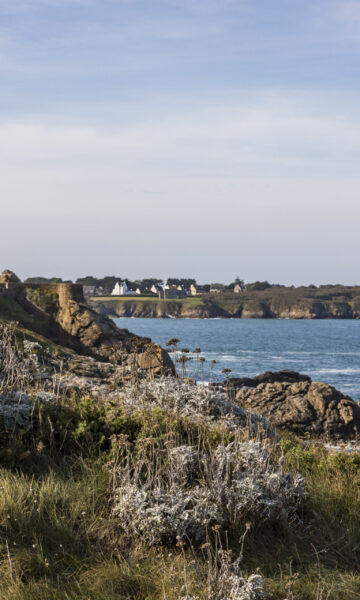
(337,371)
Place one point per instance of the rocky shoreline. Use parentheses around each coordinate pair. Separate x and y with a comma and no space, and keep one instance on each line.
(70,347)
(109,457)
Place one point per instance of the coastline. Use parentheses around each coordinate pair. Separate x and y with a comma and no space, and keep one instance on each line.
(332,302)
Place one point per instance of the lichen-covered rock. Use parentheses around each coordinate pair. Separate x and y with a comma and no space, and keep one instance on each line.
(305,408)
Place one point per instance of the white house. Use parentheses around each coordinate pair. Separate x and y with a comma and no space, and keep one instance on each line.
(197,289)
(217,288)
(120,289)
(156,289)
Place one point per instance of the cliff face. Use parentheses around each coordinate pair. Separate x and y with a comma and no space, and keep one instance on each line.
(335,302)
(157,309)
(58,312)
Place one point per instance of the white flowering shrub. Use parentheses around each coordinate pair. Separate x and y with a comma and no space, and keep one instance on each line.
(18,366)
(189,400)
(226,582)
(193,490)
(17,408)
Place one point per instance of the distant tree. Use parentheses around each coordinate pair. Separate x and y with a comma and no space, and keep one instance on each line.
(258,286)
(184,282)
(206,288)
(43,280)
(173,281)
(237,281)
(149,282)
(132,285)
(88,280)
(187,283)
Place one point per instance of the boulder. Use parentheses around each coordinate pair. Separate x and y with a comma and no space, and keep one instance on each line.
(268,377)
(304,407)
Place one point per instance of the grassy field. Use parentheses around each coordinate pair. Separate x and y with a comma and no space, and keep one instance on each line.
(59,539)
(191,300)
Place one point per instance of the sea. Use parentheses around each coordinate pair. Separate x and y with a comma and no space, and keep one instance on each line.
(327,350)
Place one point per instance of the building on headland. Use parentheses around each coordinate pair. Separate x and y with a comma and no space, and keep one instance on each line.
(93,290)
(174,292)
(195,290)
(156,289)
(217,288)
(121,289)
(144,291)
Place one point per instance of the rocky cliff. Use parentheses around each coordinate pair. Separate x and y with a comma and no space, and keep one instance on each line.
(58,312)
(276,302)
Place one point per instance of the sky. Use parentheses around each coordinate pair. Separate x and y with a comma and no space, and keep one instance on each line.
(182,138)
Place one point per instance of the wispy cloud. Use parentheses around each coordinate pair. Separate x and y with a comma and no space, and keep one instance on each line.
(169,116)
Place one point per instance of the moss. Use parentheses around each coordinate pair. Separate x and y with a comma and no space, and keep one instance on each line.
(44,298)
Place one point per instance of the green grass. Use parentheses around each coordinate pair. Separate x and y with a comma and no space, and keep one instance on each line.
(189,300)
(59,540)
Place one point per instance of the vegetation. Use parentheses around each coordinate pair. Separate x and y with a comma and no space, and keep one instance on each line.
(64,478)
(45,280)
(60,538)
(268,302)
(192,300)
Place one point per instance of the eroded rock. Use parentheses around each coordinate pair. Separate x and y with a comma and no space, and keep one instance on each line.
(304,407)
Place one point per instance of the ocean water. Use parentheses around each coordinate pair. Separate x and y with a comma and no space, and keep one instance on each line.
(327,350)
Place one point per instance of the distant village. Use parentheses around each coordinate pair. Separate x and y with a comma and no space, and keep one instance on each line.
(173,288)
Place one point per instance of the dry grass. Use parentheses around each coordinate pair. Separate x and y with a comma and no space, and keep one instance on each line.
(61,538)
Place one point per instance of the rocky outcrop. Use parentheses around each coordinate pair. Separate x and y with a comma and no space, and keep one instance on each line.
(286,375)
(99,337)
(7,277)
(59,312)
(303,407)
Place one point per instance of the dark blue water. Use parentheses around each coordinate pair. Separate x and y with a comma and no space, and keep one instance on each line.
(327,350)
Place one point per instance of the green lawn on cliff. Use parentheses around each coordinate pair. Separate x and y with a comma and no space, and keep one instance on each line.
(191,300)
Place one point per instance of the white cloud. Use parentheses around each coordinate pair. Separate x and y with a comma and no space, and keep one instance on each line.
(274,132)
(255,180)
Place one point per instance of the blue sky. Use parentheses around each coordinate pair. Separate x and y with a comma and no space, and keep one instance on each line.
(179,137)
